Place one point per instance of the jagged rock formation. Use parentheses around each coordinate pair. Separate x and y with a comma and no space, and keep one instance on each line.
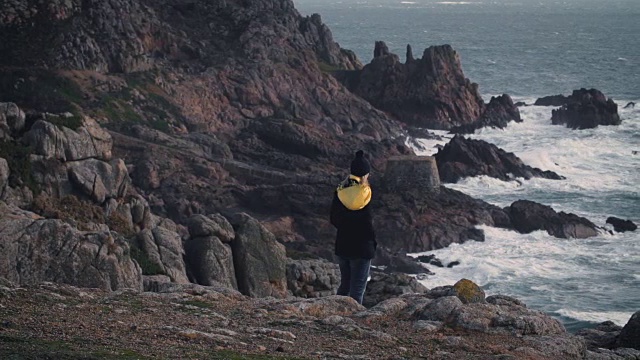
(499,112)
(619,225)
(428,92)
(259,259)
(12,120)
(463,157)
(528,216)
(553,100)
(630,334)
(583,109)
(208,250)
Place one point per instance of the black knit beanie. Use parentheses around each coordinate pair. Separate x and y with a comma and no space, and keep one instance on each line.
(360,166)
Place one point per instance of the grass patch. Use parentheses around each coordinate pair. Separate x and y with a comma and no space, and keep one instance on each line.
(20,348)
(40,89)
(74,122)
(326,68)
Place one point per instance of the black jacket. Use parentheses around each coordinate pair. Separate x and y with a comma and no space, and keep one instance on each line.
(356,238)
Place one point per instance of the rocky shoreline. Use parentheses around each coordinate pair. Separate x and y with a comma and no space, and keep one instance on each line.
(190,321)
(180,156)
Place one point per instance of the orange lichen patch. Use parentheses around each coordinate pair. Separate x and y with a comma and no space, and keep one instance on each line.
(468,292)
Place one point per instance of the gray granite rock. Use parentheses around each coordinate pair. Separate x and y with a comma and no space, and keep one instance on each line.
(4,176)
(440,309)
(62,143)
(630,333)
(312,278)
(36,249)
(164,248)
(210,261)
(12,120)
(98,179)
(211,225)
(260,261)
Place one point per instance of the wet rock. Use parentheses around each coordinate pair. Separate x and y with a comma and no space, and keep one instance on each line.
(260,261)
(528,216)
(602,336)
(586,109)
(37,250)
(630,333)
(463,157)
(553,100)
(397,262)
(499,112)
(621,225)
(312,278)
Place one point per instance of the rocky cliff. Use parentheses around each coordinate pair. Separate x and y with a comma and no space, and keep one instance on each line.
(429,92)
(134,116)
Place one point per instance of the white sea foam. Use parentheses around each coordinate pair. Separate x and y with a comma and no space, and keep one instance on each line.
(618,317)
(583,276)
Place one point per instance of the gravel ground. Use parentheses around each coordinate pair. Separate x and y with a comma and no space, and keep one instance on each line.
(54,321)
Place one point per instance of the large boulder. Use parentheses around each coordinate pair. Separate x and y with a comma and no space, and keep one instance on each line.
(586,109)
(528,216)
(463,157)
(65,144)
(383,286)
(630,334)
(36,250)
(604,335)
(468,292)
(98,179)
(260,261)
(499,112)
(208,251)
(12,120)
(312,278)
(164,249)
(503,319)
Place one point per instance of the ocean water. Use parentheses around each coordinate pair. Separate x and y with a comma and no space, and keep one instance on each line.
(531,49)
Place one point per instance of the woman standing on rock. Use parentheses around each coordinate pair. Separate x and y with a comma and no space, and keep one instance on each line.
(356,240)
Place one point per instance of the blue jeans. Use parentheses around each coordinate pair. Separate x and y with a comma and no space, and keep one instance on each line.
(353,277)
